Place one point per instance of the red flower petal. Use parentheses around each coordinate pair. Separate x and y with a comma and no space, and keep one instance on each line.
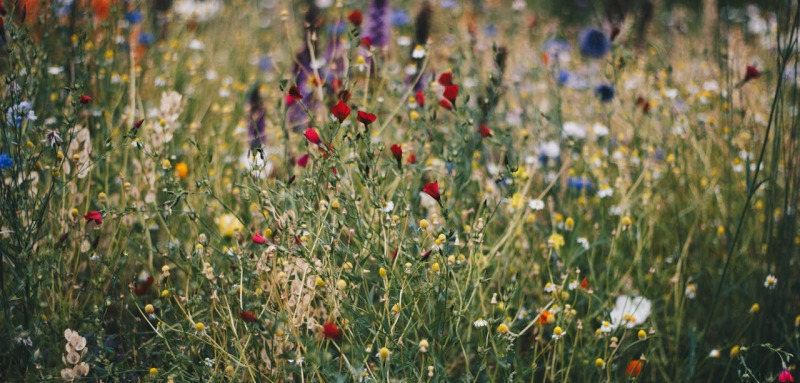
(312,136)
(303,160)
(85,99)
(248,316)
(340,110)
(484,131)
(451,92)
(634,368)
(355,17)
(432,189)
(365,118)
(420,98)
(444,103)
(93,216)
(331,331)
(397,152)
(446,78)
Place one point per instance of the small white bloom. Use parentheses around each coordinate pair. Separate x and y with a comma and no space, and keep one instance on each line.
(419,52)
(480,323)
(771,282)
(549,287)
(536,204)
(630,311)
(714,353)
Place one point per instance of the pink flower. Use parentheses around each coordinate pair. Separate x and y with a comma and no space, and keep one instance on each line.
(303,160)
(785,377)
(259,239)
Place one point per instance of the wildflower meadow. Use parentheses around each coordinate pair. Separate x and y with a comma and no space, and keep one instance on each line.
(399,191)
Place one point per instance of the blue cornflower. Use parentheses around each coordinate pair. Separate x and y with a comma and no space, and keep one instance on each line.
(594,43)
(562,77)
(491,30)
(604,92)
(400,17)
(133,17)
(17,113)
(5,161)
(336,29)
(265,64)
(146,39)
(579,183)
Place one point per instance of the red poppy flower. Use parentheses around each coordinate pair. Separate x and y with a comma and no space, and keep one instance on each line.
(785,377)
(93,216)
(247,316)
(355,17)
(366,42)
(412,159)
(331,331)
(294,93)
(444,103)
(366,118)
(420,96)
(446,79)
(634,368)
(544,317)
(259,239)
(751,73)
(432,189)
(144,287)
(312,136)
(341,111)
(451,92)
(585,283)
(303,160)
(397,152)
(86,99)
(484,131)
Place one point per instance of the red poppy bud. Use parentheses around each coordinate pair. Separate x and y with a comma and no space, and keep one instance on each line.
(355,17)
(634,368)
(366,118)
(585,283)
(366,42)
(331,331)
(420,98)
(432,189)
(312,136)
(259,239)
(144,287)
(426,254)
(751,73)
(248,316)
(484,131)
(341,111)
(412,159)
(444,103)
(85,99)
(303,160)
(394,254)
(397,152)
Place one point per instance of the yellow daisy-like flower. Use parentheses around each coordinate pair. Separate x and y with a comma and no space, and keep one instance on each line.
(228,225)
(556,241)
